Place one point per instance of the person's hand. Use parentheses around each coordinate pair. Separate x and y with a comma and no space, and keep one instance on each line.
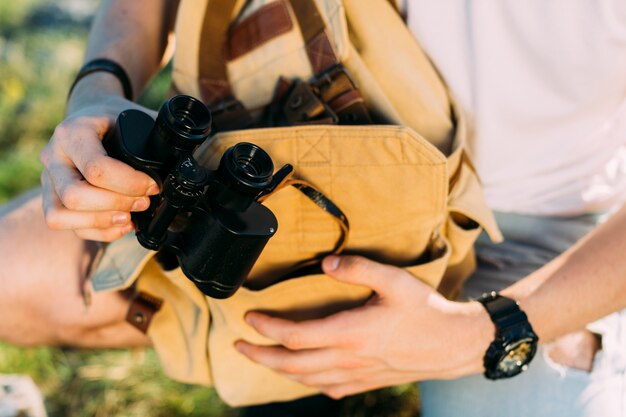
(406,332)
(85,190)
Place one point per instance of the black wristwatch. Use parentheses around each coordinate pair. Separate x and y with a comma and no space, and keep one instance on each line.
(515,344)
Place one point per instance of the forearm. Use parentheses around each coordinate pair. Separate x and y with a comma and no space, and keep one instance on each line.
(132,33)
(580,286)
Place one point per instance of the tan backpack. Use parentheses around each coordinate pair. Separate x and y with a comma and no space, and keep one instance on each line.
(411,196)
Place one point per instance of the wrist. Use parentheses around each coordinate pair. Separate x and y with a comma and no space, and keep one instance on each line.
(476,331)
(97,87)
(515,342)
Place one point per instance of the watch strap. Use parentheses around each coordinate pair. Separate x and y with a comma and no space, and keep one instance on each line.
(511,326)
(504,311)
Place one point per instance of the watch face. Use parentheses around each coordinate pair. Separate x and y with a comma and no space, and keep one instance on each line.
(516,356)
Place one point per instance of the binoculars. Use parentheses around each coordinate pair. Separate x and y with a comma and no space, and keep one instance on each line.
(210,223)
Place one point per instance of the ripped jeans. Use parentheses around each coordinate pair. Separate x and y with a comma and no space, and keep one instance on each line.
(547,389)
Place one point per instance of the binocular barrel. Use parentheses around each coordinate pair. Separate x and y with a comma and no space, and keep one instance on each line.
(211,220)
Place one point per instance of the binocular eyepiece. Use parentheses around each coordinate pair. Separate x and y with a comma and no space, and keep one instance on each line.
(184,123)
(211,221)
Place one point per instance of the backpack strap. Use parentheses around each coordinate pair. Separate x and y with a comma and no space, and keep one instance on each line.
(228,112)
(331,82)
(212,62)
(318,45)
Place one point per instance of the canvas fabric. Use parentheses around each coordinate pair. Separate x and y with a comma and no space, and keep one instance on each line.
(407,187)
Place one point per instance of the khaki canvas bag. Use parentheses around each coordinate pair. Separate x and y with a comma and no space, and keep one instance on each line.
(406,186)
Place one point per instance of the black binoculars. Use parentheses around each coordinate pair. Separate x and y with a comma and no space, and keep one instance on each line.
(209,222)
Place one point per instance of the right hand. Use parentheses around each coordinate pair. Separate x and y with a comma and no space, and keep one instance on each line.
(85,190)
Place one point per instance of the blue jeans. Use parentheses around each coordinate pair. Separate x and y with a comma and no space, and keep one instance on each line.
(547,388)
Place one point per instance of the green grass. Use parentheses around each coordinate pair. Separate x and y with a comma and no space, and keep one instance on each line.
(121,383)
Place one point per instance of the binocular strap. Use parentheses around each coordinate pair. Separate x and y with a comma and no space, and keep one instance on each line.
(326,204)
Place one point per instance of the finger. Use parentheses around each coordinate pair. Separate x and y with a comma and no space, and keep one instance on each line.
(104,235)
(331,331)
(386,280)
(341,390)
(77,194)
(301,362)
(100,170)
(331,377)
(60,218)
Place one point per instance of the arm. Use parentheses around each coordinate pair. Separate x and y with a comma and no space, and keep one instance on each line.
(83,189)
(582,285)
(135,35)
(408,332)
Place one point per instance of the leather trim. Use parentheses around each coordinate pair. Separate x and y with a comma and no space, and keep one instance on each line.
(345,100)
(265,24)
(143,307)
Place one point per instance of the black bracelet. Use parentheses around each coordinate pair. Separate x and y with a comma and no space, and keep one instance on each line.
(105,65)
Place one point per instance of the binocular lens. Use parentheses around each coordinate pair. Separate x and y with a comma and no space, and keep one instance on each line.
(185,118)
(189,114)
(251,163)
(184,121)
(244,172)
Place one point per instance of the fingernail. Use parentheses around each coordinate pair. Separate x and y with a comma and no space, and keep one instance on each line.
(126,230)
(240,346)
(139,205)
(331,262)
(249,319)
(153,190)
(120,219)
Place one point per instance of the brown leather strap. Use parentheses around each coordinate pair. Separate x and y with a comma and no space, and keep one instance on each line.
(212,61)
(265,24)
(142,309)
(318,45)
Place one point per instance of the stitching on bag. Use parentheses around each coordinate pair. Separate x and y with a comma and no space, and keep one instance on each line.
(332,14)
(403,150)
(273,139)
(313,148)
(321,52)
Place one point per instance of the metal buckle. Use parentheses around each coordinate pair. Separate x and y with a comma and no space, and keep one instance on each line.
(330,76)
(336,83)
(333,83)
(304,106)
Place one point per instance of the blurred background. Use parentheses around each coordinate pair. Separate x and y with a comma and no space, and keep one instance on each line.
(41,49)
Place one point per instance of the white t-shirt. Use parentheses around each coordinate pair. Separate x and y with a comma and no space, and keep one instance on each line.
(544,86)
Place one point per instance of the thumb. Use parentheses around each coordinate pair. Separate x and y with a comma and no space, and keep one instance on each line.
(383,279)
